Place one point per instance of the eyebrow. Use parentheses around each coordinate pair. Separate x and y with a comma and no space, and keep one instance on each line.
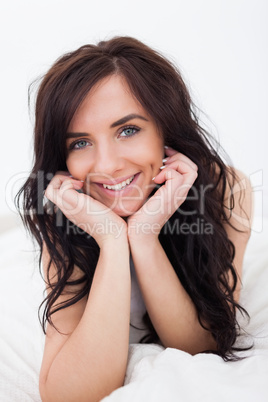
(127,118)
(119,122)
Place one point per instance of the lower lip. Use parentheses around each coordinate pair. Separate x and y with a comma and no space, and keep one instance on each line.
(124,191)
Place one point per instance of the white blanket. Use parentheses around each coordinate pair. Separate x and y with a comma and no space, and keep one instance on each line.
(153,373)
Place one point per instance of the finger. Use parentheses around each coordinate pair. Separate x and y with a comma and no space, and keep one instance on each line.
(166,174)
(181,166)
(174,192)
(185,176)
(182,157)
(67,194)
(58,180)
(70,183)
(60,183)
(60,176)
(170,151)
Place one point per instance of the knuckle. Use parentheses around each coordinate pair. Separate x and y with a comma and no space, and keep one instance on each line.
(48,192)
(195,175)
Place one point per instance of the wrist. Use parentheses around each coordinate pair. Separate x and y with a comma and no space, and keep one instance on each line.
(110,232)
(143,232)
(143,241)
(110,241)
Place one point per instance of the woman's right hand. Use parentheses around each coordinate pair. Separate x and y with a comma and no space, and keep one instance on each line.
(84,211)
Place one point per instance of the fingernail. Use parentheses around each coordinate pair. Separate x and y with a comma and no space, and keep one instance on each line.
(164,160)
(76,186)
(153,178)
(165,146)
(82,181)
(162,167)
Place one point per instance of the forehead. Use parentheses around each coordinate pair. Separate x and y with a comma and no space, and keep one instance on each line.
(110,99)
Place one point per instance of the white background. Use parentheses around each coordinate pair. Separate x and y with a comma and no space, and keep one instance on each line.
(220,46)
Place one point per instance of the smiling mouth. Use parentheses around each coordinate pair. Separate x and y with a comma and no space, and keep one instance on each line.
(120,186)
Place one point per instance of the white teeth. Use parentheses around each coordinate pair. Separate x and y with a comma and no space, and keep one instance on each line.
(119,186)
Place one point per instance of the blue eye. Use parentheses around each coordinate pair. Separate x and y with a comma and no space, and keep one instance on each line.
(129,131)
(80,144)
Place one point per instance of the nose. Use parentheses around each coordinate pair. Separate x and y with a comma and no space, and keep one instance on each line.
(107,159)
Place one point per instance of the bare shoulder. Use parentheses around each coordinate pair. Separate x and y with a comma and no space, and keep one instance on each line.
(238,201)
(238,205)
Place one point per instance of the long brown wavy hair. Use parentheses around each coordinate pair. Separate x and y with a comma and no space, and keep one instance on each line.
(202,259)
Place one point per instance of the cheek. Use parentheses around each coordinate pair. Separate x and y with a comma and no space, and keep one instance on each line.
(157,147)
(151,154)
(156,154)
(70,165)
(77,167)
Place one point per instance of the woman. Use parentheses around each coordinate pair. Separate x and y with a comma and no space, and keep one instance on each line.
(138,197)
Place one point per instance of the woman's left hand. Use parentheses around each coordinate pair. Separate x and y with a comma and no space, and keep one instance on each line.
(179,174)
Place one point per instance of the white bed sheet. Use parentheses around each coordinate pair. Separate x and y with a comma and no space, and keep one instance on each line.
(154,373)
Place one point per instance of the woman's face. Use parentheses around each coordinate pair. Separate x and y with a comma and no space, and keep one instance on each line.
(114,146)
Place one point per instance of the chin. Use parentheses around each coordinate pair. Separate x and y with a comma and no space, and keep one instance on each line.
(125,212)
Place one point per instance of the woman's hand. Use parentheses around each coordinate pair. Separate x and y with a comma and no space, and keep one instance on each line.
(179,173)
(84,211)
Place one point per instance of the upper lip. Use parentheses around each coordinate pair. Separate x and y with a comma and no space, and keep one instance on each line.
(114,181)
